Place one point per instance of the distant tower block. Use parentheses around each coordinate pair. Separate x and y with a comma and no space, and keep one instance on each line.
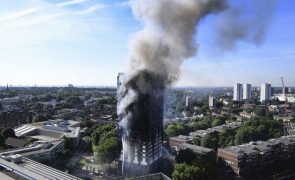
(120,80)
(246,91)
(265,92)
(237,92)
(70,86)
(142,144)
(186,101)
(211,102)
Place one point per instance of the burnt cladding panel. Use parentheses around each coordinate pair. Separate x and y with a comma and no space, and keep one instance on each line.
(147,120)
(148,117)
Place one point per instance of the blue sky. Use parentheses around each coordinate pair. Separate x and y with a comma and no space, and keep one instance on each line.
(85,42)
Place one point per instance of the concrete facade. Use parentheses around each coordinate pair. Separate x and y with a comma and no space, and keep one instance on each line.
(237,92)
(265,92)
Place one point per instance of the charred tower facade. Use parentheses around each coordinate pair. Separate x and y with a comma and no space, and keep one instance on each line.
(142,122)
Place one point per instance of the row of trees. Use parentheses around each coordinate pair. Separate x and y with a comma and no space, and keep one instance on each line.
(178,128)
(258,129)
(223,139)
(190,167)
(253,130)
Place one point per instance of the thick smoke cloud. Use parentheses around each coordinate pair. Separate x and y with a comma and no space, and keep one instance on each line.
(247,22)
(166,40)
(168,35)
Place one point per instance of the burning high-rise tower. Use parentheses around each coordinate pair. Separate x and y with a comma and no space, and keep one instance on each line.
(142,142)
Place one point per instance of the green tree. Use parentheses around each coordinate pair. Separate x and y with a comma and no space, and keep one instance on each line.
(107,150)
(98,131)
(196,141)
(260,112)
(207,164)
(105,143)
(2,141)
(184,171)
(87,123)
(185,156)
(176,129)
(42,117)
(201,124)
(226,137)
(210,141)
(217,122)
(7,132)
(258,129)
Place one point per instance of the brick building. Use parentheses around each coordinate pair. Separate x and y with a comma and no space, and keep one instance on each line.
(258,158)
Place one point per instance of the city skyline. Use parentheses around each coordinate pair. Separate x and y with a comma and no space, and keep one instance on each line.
(42,45)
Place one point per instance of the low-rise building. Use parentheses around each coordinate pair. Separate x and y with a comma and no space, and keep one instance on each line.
(176,142)
(12,117)
(257,157)
(246,115)
(286,117)
(48,143)
(199,151)
(218,129)
(14,142)
(51,130)
(41,151)
(29,169)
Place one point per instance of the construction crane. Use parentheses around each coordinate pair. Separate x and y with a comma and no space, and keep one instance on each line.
(284,94)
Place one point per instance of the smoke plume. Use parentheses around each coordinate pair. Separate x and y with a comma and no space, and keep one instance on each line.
(168,35)
(238,24)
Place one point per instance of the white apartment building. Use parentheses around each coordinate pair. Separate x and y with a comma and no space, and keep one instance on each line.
(237,92)
(211,101)
(265,92)
(247,91)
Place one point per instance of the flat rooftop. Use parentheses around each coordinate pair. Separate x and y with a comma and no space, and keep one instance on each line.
(32,170)
(196,149)
(49,130)
(260,146)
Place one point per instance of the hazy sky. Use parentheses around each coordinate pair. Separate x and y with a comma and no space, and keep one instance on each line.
(85,42)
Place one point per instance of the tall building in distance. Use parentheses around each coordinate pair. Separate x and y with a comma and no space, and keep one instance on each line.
(211,102)
(120,79)
(265,92)
(237,92)
(247,91)
(186,101)
(70,86)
